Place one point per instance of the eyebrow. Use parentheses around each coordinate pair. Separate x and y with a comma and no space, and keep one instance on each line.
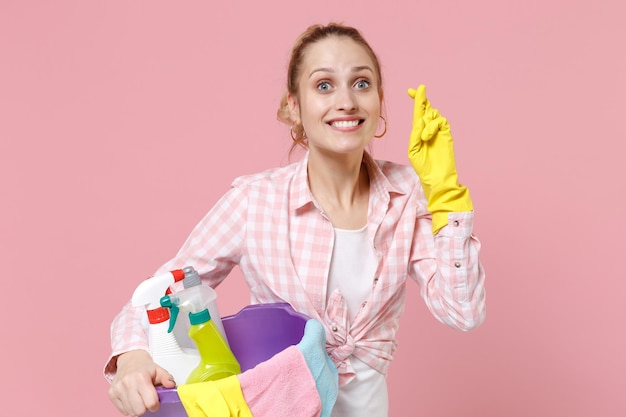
(354,69)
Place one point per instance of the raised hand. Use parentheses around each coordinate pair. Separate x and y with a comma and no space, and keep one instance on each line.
(431,152)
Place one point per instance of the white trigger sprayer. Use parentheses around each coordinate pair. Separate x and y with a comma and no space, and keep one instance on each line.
(164,348)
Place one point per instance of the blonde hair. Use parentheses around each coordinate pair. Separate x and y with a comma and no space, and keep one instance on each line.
(312,35)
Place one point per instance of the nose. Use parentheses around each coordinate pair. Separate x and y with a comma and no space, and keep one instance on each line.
(346,101)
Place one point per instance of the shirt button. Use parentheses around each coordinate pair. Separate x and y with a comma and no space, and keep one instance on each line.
(375,280)
(456,223)
(457,264)
(335,328)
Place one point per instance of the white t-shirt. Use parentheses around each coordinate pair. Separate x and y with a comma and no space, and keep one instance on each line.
(352,271)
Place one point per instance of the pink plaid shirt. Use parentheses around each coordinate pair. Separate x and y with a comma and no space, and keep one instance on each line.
(271,226)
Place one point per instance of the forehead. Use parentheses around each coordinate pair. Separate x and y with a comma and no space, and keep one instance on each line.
(336,53)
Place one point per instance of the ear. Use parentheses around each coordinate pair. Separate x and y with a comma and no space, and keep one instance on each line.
(294,108)
(382,101)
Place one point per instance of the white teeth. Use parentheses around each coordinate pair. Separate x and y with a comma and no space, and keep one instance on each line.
(345,123)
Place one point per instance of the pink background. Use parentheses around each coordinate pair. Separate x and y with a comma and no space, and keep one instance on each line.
(121,123)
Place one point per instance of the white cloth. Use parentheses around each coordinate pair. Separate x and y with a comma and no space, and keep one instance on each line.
(365,396)
(352,267)
(352,270)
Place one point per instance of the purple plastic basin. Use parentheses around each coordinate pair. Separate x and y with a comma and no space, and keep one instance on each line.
(255,334)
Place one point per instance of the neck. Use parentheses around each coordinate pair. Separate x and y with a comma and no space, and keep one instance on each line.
(340,178)
(341,186)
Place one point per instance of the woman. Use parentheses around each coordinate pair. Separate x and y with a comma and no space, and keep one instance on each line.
(336,234)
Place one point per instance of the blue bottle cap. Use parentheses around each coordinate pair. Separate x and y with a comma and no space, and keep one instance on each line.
(200,317)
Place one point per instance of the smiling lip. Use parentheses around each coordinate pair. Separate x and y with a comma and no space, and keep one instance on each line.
(345,123)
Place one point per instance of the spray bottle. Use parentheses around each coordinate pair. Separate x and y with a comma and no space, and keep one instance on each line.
(164,348)
(193,298)
(216,359)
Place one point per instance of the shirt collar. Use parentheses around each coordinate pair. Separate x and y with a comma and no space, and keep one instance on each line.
(301,195)
(300,191)
(379,183)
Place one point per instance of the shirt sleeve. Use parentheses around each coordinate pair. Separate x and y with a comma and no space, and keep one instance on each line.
(449,272)
(213,248)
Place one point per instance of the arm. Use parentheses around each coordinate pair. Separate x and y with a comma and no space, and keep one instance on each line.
(445,254)
(213,248)
(448,270)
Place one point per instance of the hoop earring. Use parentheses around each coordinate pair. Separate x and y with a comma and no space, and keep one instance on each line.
(384,131)
(294,138)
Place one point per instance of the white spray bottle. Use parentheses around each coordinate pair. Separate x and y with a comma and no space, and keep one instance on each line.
(194,298)
(206,329)
(164,348)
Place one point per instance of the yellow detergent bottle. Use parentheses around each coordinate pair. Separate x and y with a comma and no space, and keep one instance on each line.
(216,359)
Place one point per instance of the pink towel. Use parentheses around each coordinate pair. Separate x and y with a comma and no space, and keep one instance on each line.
(282,386)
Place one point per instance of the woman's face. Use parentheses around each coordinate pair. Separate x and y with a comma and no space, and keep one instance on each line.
(338,102)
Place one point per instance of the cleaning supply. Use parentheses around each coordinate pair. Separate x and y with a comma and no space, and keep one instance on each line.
(431,152)
(222,398)
(300,380)
(321,366)
(263,338)
(281,386)
(195,297)
(217,360)
(259,331)
(164,348)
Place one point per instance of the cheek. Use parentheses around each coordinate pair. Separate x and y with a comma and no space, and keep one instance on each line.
(377,104)
(312,110)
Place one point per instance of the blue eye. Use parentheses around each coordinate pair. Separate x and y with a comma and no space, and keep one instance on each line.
(362,84)
(323,86)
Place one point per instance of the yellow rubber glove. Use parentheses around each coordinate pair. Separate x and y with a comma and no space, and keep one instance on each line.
(221,398)
(431,153)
